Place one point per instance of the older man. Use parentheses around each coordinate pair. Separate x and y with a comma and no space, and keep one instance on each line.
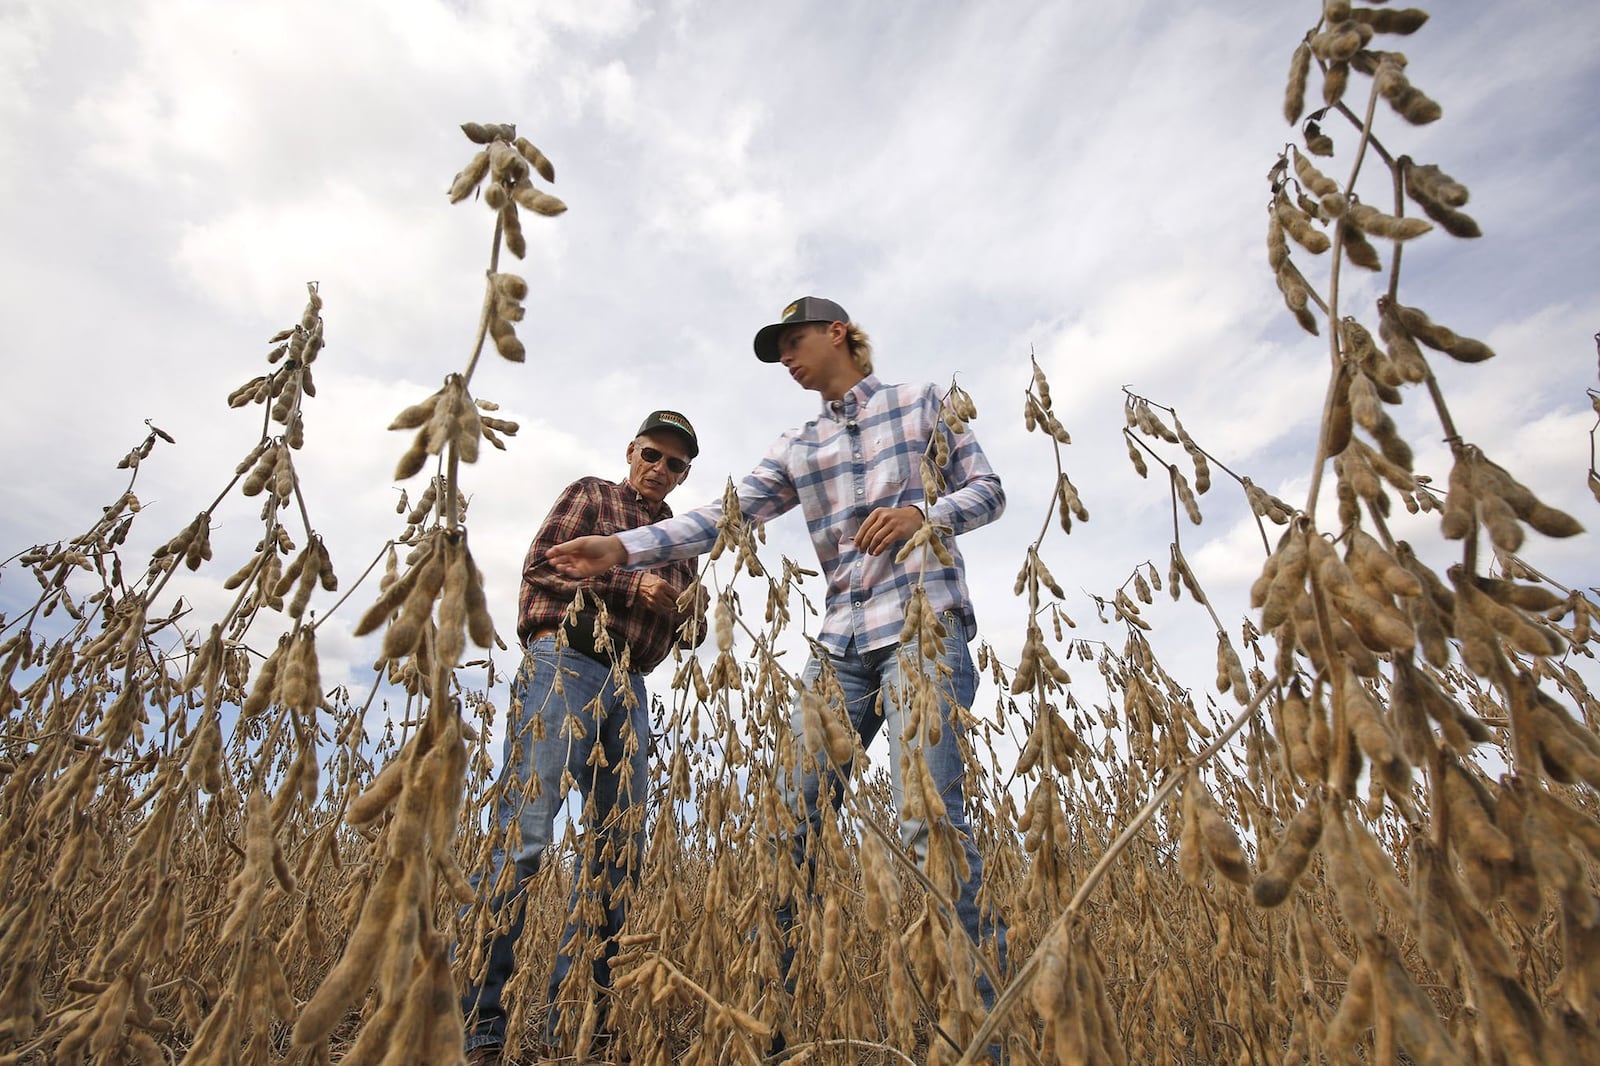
(581,686)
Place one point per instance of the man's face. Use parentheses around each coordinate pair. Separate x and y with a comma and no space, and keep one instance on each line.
(807,351)
(651,459)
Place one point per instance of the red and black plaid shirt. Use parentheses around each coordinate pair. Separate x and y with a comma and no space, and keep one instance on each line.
(593,506)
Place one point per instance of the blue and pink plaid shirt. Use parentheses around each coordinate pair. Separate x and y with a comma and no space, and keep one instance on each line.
(861,453)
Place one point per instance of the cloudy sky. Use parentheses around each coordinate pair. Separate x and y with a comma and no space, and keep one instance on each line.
(971,180)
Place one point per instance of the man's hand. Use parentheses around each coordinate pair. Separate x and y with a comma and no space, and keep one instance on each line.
(657,595)
(587,556)
(886,527)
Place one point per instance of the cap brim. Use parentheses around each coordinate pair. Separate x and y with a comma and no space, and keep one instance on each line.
(766,344)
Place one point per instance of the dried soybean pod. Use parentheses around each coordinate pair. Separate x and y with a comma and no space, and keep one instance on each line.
(1497,480)
(1180,485)
(1480,647)
(1439,196)
(1402,347)
(1527,597)
(1355,1009)
(1377,623)
(1181,571)
(1277,243)
(1372,734)
(535,158)
(1432,184)
(1392,227)
(467,180)
(1221,841)
(1344,871)
(1521,883)
(1440,338)
(451,633)
(1363,352)
(1414,1018)
(1340,423)
(1460,503)
(1305,761)
(1134,456)
(1190,847)
(1580,826)
(1289,860)
(1334,80)
(1294,94)
(1340,41)
(1513,625)
(1395,578)
(480,624)
(1409,712)
(1041,386)
(1357,248)
(256,480)
(1391,19)
(511,231)
(540,203)
(1320,184)
(1296,296)
(1411,103)
(1460,729)
(1436,934)
(1269,571)
(291,573)
(1299,225)
(1365,408)
(1482,847)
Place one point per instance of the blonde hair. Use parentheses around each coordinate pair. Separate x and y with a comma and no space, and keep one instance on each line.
(860,347)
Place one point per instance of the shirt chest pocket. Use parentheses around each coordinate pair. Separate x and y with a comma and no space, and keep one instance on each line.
(894,474)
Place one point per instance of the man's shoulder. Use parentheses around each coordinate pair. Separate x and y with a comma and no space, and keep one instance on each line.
(592,482)
(907,394)
(906,388)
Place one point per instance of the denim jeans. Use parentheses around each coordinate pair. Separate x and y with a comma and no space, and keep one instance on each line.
(589,693)
(865,677)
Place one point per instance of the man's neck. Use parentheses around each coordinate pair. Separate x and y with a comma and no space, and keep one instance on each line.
(833,391)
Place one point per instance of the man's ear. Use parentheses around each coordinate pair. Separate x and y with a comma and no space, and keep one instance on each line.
(837,333)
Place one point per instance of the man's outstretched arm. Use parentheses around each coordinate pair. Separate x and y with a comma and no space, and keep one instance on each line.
(587,556)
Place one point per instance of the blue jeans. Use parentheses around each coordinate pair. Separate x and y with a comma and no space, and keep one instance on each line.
(589,693)
(865,677)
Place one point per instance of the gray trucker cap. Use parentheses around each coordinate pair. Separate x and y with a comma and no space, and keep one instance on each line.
(805,309)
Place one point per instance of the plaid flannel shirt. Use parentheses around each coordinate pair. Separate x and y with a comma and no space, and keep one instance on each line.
(862,452)
(596,506)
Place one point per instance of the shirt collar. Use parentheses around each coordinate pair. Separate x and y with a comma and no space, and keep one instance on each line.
(848,406)
(656,511)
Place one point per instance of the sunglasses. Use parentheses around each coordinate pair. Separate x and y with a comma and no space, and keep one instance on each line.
(652,456)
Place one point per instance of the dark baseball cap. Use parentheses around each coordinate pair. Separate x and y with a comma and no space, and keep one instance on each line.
(677,423)
(805,309)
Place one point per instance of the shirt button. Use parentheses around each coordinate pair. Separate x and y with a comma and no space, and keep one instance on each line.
(860,491)
(858,603)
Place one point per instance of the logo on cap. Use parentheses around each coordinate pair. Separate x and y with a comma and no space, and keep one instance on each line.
(672,419)
(788,312)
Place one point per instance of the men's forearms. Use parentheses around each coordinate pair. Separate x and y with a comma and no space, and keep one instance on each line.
(587,556)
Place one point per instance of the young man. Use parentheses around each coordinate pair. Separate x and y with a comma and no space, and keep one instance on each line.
(854,471)
(595,676)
